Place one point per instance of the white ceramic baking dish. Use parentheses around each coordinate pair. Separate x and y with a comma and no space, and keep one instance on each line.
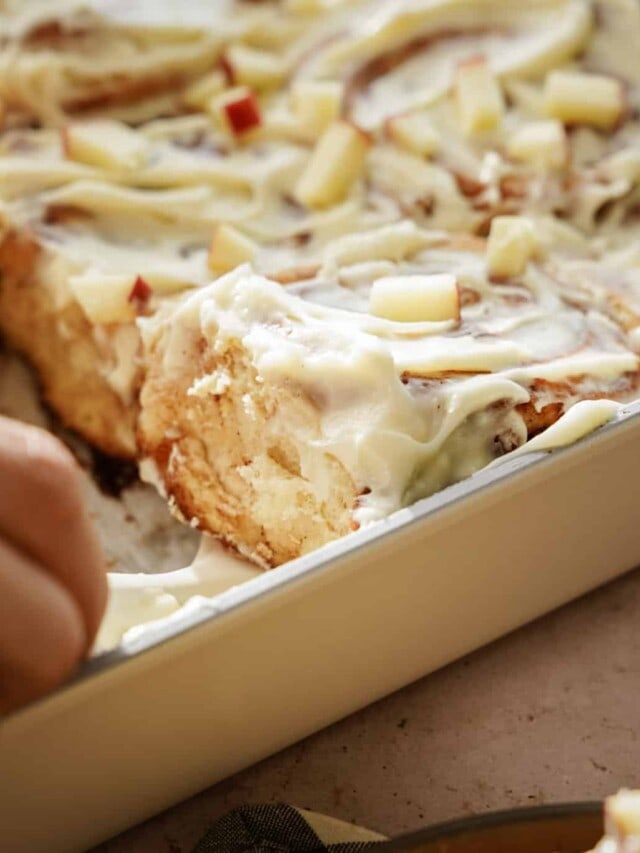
(300,647)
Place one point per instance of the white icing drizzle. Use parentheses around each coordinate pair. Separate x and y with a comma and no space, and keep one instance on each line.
(406,407)
(138,599)
(158,219)
(583,418)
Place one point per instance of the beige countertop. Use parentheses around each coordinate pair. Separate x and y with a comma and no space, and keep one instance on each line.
(548,714)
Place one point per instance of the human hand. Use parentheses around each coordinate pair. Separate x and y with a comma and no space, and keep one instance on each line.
(53,586)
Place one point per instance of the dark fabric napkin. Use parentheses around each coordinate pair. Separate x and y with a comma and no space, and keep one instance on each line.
(284,829)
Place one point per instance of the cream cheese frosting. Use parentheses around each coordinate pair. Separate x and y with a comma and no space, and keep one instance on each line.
(407,407)
(138,599)
(71,54)
(156,220)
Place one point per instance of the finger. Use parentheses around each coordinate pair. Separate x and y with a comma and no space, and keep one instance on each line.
(42,633)
(42,512)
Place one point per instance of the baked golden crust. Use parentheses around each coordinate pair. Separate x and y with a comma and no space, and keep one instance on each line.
(232,473)
(539,414)
(69,364)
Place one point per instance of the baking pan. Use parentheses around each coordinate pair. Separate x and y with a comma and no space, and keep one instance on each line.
(570,828)
(243,675)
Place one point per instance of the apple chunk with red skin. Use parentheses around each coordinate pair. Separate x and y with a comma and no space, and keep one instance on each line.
(239,109)
(111,298)
(141,293)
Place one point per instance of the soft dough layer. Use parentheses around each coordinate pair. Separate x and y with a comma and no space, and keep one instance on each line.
(229,461)
(60,344)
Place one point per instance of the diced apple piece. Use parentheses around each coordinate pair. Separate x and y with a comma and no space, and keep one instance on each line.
(105,143)
(622,815)
(105,298)
(255,68)
(416,298)
(511,246)
(540,143)
(238,110)
(414,132)
(479,96)
(229,249)
(140,294)
(200,93)
(336,163)
(575,97)
(317,103)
